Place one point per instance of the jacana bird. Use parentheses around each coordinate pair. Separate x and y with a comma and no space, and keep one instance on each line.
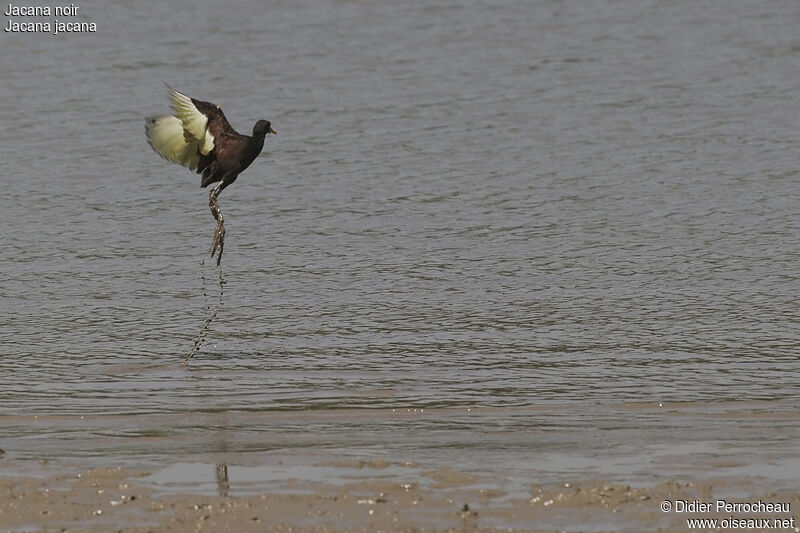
(199,137)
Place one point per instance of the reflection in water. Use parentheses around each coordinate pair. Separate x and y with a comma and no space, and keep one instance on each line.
(223,484)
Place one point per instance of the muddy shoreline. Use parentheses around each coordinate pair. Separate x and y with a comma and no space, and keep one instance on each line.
(124,500)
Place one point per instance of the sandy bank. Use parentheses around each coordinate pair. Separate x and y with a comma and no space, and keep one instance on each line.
(102,500)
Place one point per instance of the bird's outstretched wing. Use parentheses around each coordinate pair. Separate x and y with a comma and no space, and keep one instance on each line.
(195,122)
(183,138)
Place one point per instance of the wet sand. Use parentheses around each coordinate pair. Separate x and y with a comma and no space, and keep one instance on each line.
(120,500)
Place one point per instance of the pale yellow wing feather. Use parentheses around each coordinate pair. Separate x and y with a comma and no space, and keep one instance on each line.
(194,122)
(165,135)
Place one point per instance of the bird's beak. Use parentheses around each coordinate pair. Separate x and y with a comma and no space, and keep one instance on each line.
(272,131)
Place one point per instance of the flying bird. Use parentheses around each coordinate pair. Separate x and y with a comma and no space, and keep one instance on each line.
(199,137)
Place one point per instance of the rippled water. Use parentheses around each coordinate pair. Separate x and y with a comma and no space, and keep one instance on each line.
(556,215)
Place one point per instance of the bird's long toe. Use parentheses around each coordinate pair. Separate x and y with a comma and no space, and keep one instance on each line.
(218,242)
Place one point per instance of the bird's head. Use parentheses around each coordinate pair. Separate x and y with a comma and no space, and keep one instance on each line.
(263,127)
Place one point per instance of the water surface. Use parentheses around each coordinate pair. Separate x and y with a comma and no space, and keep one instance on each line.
(539,239)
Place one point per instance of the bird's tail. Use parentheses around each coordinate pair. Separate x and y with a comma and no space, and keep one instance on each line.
(208,175)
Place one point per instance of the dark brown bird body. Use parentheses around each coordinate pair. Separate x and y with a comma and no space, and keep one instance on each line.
(233,152)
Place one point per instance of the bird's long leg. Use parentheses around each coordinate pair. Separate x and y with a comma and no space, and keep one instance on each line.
(218,242)
(216,248)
